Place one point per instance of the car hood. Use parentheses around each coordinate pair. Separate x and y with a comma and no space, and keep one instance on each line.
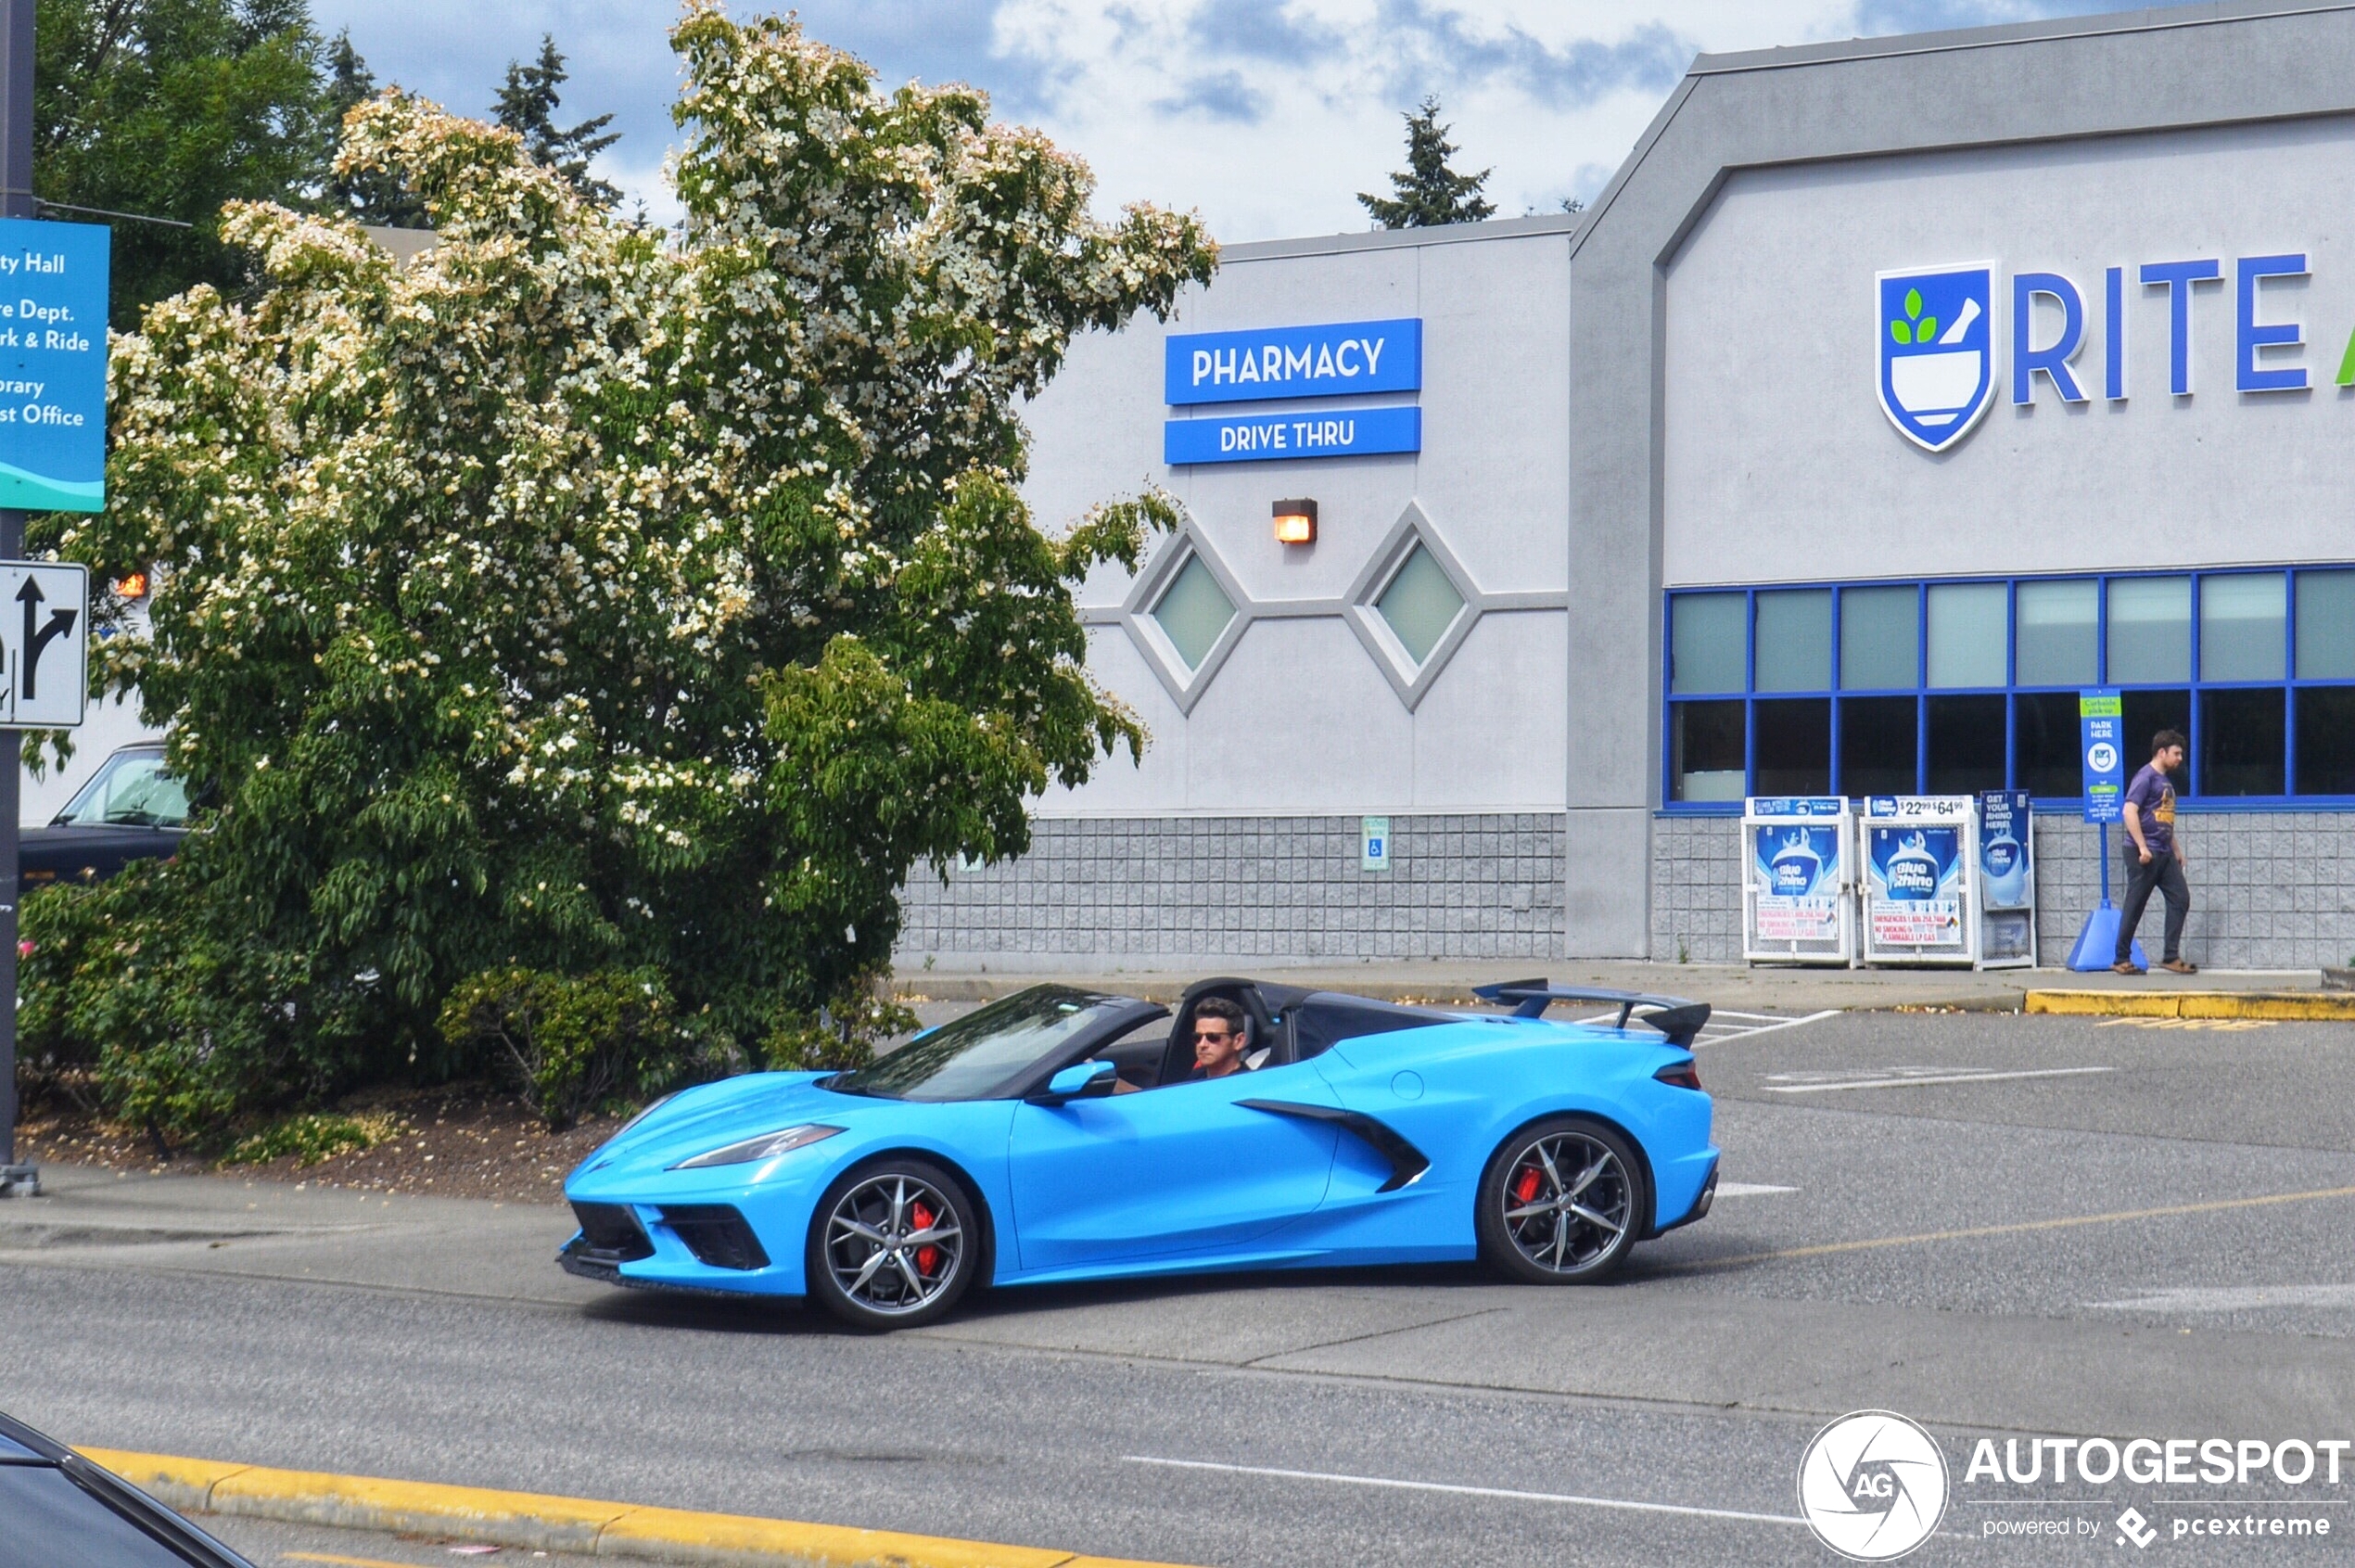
(714,1114)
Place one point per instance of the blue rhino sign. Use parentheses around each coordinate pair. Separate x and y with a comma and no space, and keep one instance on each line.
(1937,369)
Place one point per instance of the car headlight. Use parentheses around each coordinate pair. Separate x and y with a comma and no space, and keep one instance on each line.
(765,1146)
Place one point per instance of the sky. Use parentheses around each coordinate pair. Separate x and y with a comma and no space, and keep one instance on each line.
(1266,116)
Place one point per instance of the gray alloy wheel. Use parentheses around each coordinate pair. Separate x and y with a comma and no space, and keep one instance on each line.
(1562,1203)
(893,1245)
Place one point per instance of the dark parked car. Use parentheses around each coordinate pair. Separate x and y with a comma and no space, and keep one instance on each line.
(131,810)
(59,1511)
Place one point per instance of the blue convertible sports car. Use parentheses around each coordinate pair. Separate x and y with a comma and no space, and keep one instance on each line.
(1062,1134)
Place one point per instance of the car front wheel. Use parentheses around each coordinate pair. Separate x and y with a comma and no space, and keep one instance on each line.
(893,1245)
(1561,1203)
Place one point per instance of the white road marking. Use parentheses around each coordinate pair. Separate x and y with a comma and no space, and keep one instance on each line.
(1748,1190)
(2234,1298)
(1723,1025)
(1466,1491)
(1928,1078)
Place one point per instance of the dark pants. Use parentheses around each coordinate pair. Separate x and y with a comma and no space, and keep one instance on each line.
(2166,874)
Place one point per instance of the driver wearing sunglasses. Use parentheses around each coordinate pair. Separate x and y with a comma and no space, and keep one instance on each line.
(1219,1038)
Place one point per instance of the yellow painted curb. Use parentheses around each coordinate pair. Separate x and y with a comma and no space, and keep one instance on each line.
(552,1523)
(2296,1006)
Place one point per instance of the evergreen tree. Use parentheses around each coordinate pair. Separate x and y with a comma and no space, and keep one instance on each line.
(363,196)
(527,106)
(1429,193)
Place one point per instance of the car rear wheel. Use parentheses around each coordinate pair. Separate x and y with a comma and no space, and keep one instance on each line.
(893,1245)
(1561,1203)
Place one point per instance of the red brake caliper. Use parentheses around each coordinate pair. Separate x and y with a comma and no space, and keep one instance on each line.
(1525,1190)
(927,1256)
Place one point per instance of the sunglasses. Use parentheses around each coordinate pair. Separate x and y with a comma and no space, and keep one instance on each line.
(1214,1034)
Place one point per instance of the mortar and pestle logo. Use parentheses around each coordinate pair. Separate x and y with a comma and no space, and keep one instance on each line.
(1935,376)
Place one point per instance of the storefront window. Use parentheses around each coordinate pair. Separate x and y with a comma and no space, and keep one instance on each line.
(1879,738)
(1710,636)
(2325,627)
(2243,629)
(2150,629)
(1954,687)
(2046,740)
(1794,746)
(2325,736)
(2058,642)
(1794,651)
(2146,713)
(1966,742)
(2241,730)
(1707,747)
(1966,628)
(1877,646)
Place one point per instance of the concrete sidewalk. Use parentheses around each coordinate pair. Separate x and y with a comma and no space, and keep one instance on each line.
(1728,987)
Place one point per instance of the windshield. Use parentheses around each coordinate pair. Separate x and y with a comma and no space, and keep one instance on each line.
(987,1052)
(130,789)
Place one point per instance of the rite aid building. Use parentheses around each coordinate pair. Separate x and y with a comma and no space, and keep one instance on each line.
(1892,393)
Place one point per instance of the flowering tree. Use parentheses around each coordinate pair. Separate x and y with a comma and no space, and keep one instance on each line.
(584,602)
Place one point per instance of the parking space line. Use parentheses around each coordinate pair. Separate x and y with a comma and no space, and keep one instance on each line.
(1619,1503)
(2023,1227)
(1938,1077)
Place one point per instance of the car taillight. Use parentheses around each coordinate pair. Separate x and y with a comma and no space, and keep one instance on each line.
(1684,1075)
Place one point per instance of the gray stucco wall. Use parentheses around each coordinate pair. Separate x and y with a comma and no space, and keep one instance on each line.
(2270,889)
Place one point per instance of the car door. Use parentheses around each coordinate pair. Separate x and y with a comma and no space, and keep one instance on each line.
(1184,1169)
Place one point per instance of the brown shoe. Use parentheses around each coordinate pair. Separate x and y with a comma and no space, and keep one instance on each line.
(2178,966)
(2123,967)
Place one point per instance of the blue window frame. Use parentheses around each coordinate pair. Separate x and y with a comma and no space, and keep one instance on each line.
(1873,688)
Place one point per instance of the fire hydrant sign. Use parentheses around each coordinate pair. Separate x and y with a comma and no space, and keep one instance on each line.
(53,367)
(44,645)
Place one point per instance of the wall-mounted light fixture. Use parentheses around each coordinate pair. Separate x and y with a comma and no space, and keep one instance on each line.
(1296,522)
(130,586)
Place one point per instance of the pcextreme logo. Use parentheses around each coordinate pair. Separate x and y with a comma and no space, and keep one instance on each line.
(1937,331)
(1872,1486)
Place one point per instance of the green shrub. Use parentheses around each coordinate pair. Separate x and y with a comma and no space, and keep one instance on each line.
(312,1137)
(570,1042)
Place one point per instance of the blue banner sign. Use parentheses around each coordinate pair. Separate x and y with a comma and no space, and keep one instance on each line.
(2005,845)
(1295,362)
(1258,438)
(53,365)
(2103,745)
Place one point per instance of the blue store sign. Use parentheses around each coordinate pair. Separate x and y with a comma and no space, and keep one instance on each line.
(53,365)
(1255,437)
(1294,361)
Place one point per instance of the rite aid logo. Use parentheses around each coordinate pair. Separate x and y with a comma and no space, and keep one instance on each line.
(1937,370)
(2102,758)
(1872,1486)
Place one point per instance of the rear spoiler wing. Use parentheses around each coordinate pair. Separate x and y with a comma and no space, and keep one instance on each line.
(1680,1020)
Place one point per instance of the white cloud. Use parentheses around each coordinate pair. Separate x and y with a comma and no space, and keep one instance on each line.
(1266,116)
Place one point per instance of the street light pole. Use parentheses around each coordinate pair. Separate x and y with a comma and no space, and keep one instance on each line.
(16,202)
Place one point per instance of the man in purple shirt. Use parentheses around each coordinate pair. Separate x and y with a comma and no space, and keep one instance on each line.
(2153,858)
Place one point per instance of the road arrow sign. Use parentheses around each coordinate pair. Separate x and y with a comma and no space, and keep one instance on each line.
(45,653)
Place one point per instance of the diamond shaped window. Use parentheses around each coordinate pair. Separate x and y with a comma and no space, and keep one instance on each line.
(1420,603)
(1194,612)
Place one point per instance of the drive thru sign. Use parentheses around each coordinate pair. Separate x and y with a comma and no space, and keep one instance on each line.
(44,619)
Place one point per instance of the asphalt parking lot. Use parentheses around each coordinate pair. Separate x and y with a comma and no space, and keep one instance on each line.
(2004,1226)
